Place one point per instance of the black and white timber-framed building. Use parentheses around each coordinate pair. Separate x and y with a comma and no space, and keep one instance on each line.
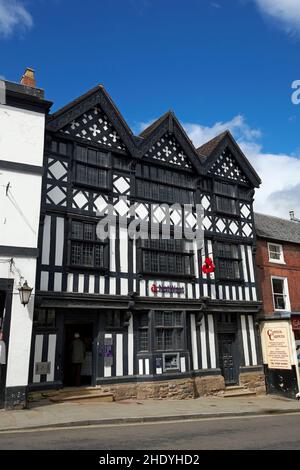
(145,309)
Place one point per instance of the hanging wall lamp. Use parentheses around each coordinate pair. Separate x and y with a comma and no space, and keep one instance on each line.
(25,293)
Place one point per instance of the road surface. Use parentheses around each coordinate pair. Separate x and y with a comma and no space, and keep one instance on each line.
(263,432)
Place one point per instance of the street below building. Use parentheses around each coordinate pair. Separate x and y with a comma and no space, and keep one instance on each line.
(249,433)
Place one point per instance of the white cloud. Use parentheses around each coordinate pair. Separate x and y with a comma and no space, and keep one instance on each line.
(280,173)
(286,13)
(201,134)
(13,16)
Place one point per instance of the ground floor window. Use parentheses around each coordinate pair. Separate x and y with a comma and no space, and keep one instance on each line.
(166,329)
(144,332)
(169,330)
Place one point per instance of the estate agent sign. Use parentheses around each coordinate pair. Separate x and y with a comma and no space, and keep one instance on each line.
(276,344)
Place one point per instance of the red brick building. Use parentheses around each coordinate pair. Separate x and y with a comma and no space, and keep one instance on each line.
(278,275)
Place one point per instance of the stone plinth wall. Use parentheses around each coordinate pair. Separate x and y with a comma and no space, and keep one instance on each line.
(210,385)
(178,389)
(254,381)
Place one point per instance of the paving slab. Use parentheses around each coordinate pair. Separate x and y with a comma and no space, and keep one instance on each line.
(44,414)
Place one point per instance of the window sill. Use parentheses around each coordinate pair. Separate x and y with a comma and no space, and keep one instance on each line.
(235,281)
(91,186)
(277,261)
(167,276)
(76,268)
(227,214)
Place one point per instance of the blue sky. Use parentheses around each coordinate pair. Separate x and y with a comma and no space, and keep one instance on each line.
(216,63)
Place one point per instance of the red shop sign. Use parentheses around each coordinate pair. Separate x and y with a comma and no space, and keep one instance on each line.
(296,324)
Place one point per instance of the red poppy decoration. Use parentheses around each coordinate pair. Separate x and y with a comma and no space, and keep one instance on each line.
(208,267)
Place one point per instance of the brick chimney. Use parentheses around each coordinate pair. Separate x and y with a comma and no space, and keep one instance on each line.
(28,78)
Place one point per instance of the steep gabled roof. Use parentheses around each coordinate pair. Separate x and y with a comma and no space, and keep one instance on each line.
(206,149)
(168,122)
(202,158)
(147,131)
(275,228)
(214,148)
(95,96)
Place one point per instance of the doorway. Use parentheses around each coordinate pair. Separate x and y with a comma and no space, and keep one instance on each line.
(227,358)
(78,354)
(2,351)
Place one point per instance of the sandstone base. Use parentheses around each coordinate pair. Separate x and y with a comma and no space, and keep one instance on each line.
(179,389)
(210,385)
(254,381)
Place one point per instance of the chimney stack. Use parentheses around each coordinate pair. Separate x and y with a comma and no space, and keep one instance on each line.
(28,78)
(292,215)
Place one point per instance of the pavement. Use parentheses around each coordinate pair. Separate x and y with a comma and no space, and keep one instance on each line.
(45,414)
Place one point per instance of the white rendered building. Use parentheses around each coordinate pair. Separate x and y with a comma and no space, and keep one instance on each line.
(22,124)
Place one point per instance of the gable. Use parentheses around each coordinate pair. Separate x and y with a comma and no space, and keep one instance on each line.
(94,125)
(168,150)
(227,166)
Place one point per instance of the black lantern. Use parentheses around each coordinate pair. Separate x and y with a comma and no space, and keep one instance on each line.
(25,293)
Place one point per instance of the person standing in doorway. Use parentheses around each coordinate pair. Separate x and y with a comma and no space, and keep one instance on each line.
(77,358)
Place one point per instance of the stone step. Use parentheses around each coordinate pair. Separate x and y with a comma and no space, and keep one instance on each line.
(234,387)
(237,393)
(97,396)
(65,392)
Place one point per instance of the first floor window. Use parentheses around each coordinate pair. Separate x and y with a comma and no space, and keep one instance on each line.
(275,253)
(280,293)
(228,261)
(168,331)
(166,257)
(163,192)
(86,249)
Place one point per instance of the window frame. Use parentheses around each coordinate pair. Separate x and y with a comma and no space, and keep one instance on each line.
(163,189)
(108,168)
(161,251)
(57,143)
(94,242)
(173,328)
(281,259)
(285,294)
(144,328)
(45,325)
(237,259)
(234,187)
(224,211)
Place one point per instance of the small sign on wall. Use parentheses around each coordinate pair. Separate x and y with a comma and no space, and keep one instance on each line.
(108,352)
(42,368)
(296,324)
(276,340)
